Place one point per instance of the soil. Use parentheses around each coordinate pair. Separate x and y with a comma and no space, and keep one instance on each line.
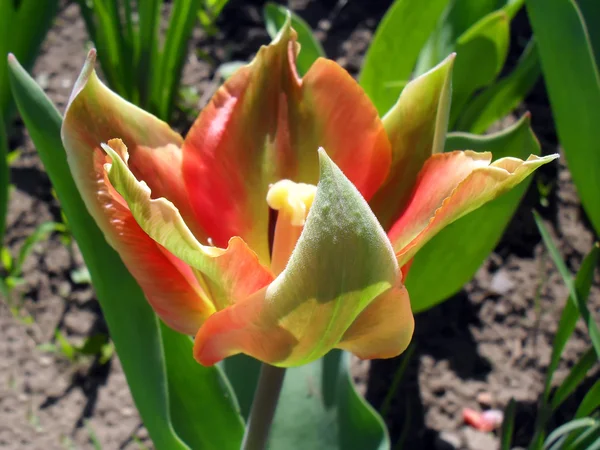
(493,337)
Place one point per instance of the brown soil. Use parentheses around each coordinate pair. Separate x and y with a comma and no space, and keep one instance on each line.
(491,337)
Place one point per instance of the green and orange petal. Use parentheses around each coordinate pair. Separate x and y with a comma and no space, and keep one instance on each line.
(266,124)
(451,185)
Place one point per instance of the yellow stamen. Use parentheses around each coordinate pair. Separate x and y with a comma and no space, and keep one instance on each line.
(293,201)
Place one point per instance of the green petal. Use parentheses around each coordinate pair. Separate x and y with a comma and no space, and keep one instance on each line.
(342,262)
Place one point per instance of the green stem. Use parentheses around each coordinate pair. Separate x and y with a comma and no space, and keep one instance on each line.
(263,407)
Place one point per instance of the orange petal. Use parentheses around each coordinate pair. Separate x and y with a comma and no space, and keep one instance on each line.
(384,329)
(95,115)
(168,284)
(226,275)
(451,185)
(342,262)
(265,124)
(416,126)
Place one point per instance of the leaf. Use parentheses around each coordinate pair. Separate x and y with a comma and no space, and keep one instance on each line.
(173,56)
(435,274)
(211,404)
(575,377)
(458,17)
(568,428)
(508,425)
(480,55)
(310,47)
(573,83)
(319,407)
(590,402)
(133,326)
(499,99)
(395,48)
(4,177)
(576,299)
(570,313)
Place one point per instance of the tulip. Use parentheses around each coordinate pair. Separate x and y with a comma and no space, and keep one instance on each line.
(283,224)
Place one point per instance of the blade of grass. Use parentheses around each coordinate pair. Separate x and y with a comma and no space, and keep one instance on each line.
(578,301)
(575,377)
(147,55)
(590,402)
(508,425)
(4,179)
(567,428)
(398,376)
(181,25)
(570,313)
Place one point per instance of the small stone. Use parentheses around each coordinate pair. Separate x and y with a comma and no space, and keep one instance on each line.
(485,399)
(501,283)
(447,441)
(477,440)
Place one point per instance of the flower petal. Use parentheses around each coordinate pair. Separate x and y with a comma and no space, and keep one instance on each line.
(342,262)
(416,126)
(227,275)
(96,114)
(384,329)
(265,124)
(451,185)
(168,284)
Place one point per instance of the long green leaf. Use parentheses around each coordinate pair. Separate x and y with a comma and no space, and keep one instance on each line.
(575,377)
(590,402)
(181,25)
(392,55)
(147,55)
(508,425)
(133,326)
(4,179)
(205,415)
(573,83)
(459,16)
(576,299)
(310,48)
(319,407)
(23,26)
(567,428)
(502,97)
(480,55)
(434,274)
(570,313)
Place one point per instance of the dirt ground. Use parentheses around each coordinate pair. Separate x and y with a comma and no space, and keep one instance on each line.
(490,338)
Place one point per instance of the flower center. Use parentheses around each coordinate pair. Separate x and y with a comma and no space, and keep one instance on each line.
(292,201)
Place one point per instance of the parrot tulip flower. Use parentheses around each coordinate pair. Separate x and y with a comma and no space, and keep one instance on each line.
(282,225)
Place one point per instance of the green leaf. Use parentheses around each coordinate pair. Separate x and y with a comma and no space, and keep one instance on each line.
(573,84)
(318,408)
(590,402)
(211,405)
(395,48)
(173,55)
(434,274)
(41,233)
(590,10)
(567,428)
(458,17)
(574,379)
(4,177)
(508,425)
(499,99)
(570,313)
(310,48)
(133,326)
(575,298)
(480,55)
